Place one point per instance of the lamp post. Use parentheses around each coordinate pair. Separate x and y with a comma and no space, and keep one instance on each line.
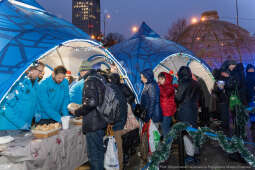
(106,16)
(237,21)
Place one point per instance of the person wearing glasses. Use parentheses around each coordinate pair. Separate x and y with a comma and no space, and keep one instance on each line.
(18,108)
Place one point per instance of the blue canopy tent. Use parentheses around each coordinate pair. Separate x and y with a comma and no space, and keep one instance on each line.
(147,50)
(29,33)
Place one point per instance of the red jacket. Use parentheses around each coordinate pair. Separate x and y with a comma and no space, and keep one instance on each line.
(167,102)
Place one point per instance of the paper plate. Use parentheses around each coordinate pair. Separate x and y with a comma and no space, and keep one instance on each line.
(6,139)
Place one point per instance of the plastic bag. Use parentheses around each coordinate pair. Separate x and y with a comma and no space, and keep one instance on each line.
(132,123)
(154,136)
(111,161)
(189,146)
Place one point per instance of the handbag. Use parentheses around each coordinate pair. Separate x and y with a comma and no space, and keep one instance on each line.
(132,122)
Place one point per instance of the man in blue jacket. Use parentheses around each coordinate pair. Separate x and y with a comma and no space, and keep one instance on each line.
(53,97)
(76,90)
(18,108)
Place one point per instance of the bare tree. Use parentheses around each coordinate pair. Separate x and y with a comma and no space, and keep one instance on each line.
(176,29)
(113,38)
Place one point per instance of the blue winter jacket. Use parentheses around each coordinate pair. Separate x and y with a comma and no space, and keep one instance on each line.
(76,92)
(150,98)
(18,109)
(53,100)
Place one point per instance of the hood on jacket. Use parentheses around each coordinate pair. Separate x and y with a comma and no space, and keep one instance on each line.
(239,71)
(90,72)
(184,73)
(249,66)
(168,78)
(115,78)
(148,74)
(227,63)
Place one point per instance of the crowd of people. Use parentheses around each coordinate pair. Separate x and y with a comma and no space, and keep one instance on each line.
(37,101)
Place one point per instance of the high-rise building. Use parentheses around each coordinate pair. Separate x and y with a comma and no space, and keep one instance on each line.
(86,16)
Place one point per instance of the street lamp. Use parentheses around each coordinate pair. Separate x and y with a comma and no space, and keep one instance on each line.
(106,16)
(134,29)
(194,20)
(203,19)
(93,37)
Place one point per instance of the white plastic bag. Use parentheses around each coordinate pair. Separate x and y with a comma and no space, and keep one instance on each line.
(111,161)
(154,136)
(189,146)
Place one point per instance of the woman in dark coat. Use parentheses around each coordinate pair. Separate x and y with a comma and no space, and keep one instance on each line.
(250,84)
(187,96)
(150,99)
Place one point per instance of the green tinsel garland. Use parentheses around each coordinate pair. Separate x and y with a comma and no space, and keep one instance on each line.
(163,149)
(241,117)
(199,137)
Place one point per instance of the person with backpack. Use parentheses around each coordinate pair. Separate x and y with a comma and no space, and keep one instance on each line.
(100,108)
(118,127)
(93,125)
(167,102)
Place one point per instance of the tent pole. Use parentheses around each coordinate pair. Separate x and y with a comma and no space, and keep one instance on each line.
(60,57)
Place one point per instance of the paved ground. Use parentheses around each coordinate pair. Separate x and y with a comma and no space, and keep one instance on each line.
(212,157)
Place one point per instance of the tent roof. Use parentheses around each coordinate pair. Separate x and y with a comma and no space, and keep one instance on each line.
(27,32)
(145,50)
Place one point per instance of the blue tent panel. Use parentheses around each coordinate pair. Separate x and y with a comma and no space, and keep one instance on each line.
(25,34)
(144,50)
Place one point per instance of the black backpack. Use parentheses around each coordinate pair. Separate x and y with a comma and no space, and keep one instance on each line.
(110,108)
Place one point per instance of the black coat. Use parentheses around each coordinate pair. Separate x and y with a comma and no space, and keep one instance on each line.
(237,82)
(93,96)
(250,83)
(187,97)
(130,97)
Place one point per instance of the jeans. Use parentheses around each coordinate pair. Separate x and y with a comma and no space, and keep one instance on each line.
(166,124)
(95,149)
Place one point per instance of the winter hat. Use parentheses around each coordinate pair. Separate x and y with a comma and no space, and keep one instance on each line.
(68,73)
(85,66)
(249,66)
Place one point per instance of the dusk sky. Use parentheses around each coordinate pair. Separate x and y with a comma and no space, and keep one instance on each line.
(158,14)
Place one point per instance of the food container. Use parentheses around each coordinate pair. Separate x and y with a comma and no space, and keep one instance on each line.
(45,134)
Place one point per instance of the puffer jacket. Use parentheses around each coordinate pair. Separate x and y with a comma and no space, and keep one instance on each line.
(53,100)
(167,93)
(92,96)
(150,98)
(187,97)
(19,106)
